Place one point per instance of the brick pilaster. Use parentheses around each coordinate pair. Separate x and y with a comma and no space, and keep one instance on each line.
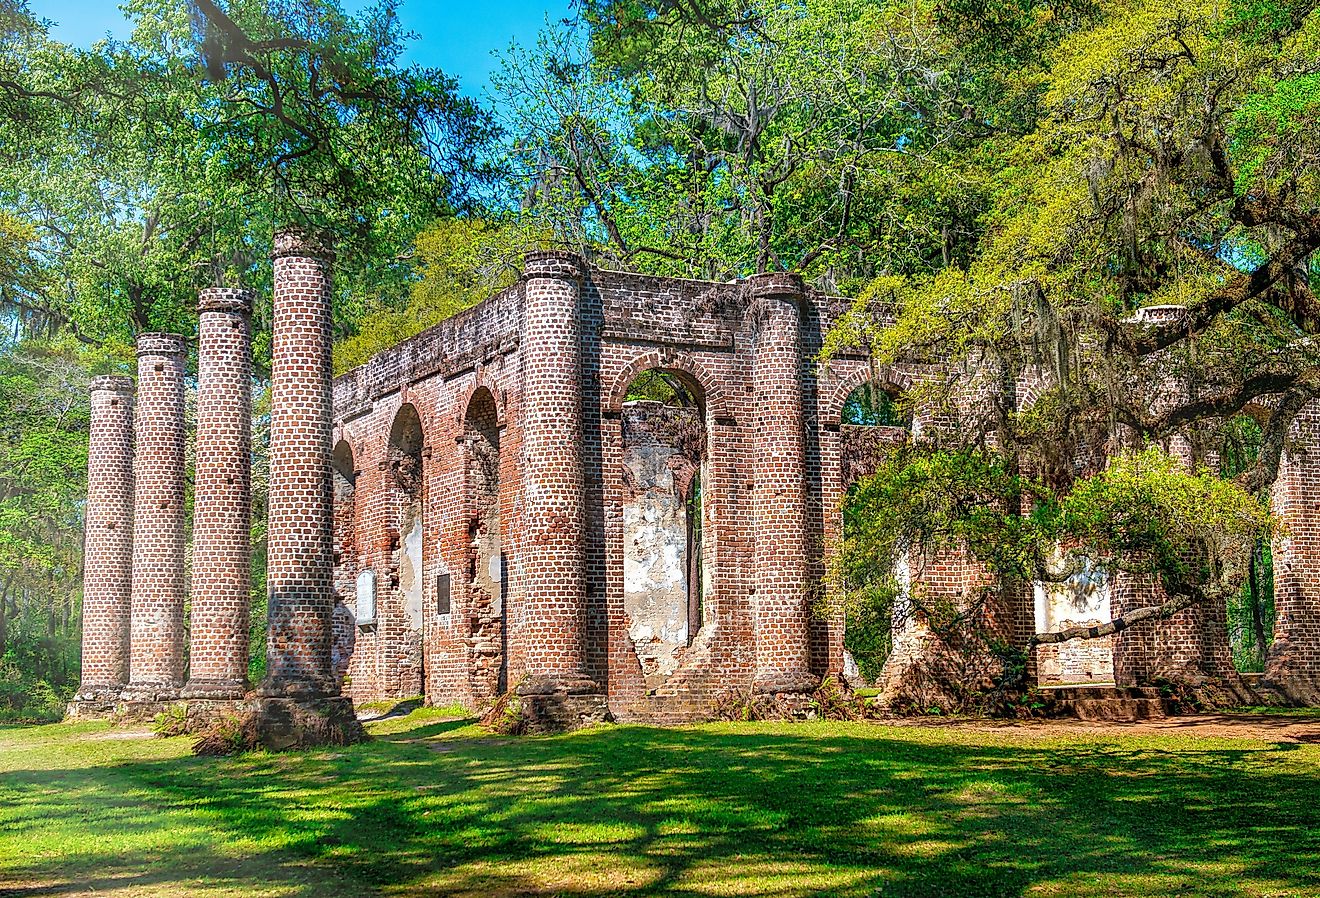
(222,497)
(108,545)
(779,497)
(1293,666)
(554,557)
(300,554)
(157,664)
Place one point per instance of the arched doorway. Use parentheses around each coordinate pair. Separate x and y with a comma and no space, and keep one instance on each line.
(343,624)
(403,621)
(486,632)
(666,570)
(874,421)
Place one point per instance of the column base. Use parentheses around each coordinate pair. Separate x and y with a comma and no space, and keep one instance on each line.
(1289,679)
(791,692)
(299,688)
(150,693)
(98,693)
(284,723)
(219,690)
(560,704)
(94,703)
(1291,692)
(775,682)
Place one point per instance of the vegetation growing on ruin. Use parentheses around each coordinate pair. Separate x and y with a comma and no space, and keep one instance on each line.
(1151,172)
(1144,514)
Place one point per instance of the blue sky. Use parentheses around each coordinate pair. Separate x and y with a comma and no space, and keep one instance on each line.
(458,37)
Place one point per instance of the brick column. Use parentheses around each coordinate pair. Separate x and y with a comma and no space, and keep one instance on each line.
(779,497)
(158,521)
(1293,666)
(222,497)
(554,554)
(300,554)
(108,541)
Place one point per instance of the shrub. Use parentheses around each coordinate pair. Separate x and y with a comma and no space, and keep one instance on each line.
(745,705)
(25,698)
(173,721)
(506,716)
(229,735)
(833,700)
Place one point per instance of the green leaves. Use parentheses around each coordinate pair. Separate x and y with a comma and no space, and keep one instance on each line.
(1270,135)
(719,142)
(459,263)
(164,163)
(1143,513)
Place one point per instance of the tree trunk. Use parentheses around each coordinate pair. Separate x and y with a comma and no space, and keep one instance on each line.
(1165,611)
(4,617)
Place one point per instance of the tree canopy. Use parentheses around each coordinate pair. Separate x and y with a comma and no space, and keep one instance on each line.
(151,167)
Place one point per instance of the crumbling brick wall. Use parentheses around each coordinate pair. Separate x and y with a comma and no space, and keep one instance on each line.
(575,620)
(495,523)
(664,449)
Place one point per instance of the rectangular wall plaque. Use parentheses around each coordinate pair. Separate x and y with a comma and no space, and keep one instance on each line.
(441,593)
(366,597)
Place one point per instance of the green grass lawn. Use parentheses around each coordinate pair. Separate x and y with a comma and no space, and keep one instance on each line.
(438,806)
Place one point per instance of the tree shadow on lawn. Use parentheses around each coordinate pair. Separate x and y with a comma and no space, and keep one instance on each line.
(770,810)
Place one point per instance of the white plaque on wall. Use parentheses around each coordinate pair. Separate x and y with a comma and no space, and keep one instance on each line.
(366,597)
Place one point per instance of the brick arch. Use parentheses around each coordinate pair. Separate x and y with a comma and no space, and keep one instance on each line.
(406,410)
(669,360)
(336,462)
(859,376)
(480,382)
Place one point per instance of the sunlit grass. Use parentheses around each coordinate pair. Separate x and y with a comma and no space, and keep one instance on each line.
(436,805)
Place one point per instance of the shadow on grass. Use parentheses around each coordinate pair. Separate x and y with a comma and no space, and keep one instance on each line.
(756,809)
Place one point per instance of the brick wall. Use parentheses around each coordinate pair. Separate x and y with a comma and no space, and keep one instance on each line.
(530,385)
(502,377)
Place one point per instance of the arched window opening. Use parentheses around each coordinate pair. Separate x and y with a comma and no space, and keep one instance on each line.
(875,419)
(1251,614)
(405,451)
(665,387)
(341,463)
(485,568)
(875,405)
(348,600)
(666,577)
(404,461)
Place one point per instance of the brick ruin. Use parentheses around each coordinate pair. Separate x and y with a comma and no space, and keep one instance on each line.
(491,506)
(145,645)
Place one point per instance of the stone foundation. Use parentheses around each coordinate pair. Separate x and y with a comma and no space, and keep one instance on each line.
(285,723)
(280,723)
(560,705)
(559,712)
(116,710)
(91,707)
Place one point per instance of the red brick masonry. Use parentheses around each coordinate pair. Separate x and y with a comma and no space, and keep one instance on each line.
(479,490)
